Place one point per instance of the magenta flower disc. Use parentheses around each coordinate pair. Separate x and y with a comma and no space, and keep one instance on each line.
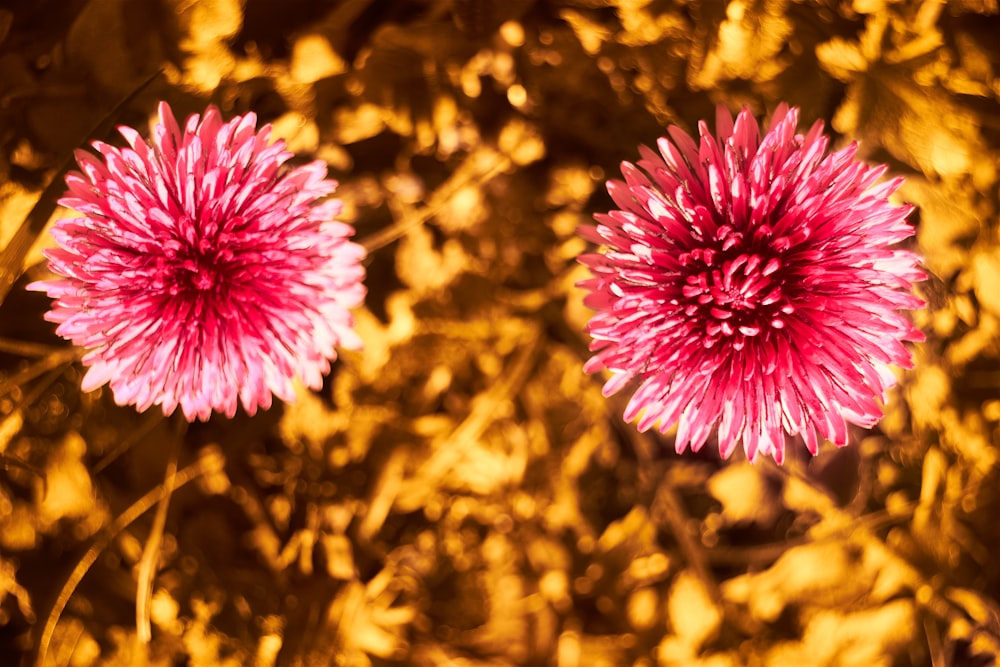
(202,272)
(750,286)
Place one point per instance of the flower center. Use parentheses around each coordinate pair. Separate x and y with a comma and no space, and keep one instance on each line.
(196,267)
(734,290)
(202,275)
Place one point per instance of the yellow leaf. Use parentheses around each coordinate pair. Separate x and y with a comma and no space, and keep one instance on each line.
(67,491)
(744,493)
(928,394)
(821,573)
(641,608)
(948,221)
(841,58)
(869,638)
(694,617)
(986,277)
(591,35)
(313,59)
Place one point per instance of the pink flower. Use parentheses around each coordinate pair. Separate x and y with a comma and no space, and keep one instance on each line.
(201,272)
(750,286)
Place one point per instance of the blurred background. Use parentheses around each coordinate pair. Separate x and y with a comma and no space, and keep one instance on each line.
(459,493)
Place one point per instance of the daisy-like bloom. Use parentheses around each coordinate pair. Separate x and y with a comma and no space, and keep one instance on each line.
(750,287)
(202,272)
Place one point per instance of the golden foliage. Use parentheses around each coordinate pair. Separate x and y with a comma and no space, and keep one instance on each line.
(460,493)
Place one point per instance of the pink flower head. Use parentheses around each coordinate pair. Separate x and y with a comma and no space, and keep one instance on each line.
(751,286)
(201,272)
